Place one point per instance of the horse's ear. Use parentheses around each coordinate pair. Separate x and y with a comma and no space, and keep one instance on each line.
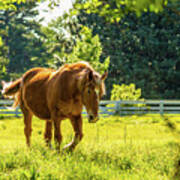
(3,83)
(104,76)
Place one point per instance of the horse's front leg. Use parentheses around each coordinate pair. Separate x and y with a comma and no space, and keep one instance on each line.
(76,122)
(48,133)
(57,133)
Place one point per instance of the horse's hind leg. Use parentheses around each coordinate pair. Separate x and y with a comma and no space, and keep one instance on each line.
(28,123)
(48,133)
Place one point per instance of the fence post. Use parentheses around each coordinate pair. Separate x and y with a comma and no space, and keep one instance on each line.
(118,107)
(161,105)
(16,112)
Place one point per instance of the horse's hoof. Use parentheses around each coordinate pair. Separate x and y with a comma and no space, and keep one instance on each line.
(67,149)
(50,146)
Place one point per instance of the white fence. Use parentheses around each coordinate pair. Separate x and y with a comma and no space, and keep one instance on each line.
(6,110)
(116,107)
(140,107)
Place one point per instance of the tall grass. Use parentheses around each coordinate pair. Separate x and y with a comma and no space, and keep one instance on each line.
(127,148)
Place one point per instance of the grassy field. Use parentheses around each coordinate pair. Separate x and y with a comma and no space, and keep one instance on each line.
(117,148)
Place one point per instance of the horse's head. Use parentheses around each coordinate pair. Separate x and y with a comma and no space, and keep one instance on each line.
(93,90)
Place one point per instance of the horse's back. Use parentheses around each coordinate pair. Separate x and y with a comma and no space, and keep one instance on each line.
(36,71)
(35,82)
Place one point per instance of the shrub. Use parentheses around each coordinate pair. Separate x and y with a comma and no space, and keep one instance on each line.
(125,92)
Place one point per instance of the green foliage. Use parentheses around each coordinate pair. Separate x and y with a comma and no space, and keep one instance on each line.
(11,4)
(1,42)
(61,35)
(143,51)
(70,42)
(88,48)
(21,35)
(125,92)
(3,62)
(3,70)
(115,10)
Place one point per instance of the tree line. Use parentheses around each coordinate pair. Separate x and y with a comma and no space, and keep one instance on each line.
(141,50)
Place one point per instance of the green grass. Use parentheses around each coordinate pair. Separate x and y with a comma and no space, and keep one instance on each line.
(117,148)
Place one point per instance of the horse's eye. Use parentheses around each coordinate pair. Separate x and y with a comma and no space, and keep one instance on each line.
(88,91)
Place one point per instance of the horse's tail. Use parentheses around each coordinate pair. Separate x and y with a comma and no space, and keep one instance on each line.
(12,89)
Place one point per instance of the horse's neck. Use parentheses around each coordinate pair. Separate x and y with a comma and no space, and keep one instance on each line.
(72,84)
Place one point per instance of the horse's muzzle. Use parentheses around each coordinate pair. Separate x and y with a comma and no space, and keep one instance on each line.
(92,119)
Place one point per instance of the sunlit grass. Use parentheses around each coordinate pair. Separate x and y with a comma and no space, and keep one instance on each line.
(114,148)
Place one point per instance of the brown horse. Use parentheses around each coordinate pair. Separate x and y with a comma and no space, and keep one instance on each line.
(56,95)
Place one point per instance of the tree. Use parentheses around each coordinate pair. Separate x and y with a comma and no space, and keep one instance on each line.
(88,48)
(143,51)
(115,10)
(61,35)
(22,37)
(70,42)
(9,4)
(112,10)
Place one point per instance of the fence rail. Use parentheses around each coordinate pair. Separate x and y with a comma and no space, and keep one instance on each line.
(141,107)
(115,107)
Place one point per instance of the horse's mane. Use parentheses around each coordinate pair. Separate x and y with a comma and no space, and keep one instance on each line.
(76,66)
(83,65)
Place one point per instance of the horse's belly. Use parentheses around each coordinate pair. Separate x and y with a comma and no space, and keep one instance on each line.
(35,99)
(40,110)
